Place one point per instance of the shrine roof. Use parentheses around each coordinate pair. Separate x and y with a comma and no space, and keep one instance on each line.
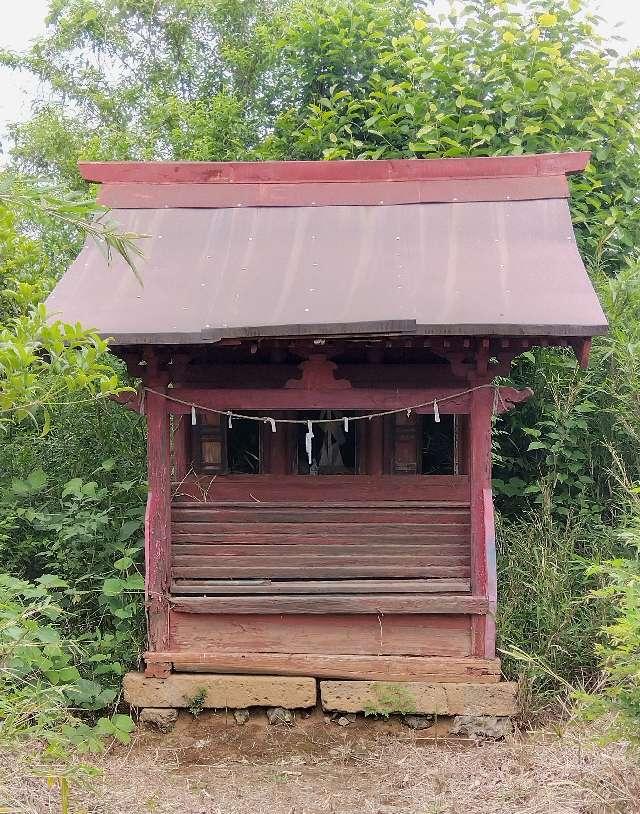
(479,246)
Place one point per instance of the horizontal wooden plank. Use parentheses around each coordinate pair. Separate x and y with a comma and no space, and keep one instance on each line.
(133,195)
(203,527)
(341,586)
(416,634)
(381,603)
(370,400)
(350,170)
(381,668)
(328,572)
(319,549)
(327,490)
(333,505)
(272,563)
(260,515)
(249,538)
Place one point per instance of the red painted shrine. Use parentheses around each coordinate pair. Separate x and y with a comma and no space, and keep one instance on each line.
(352,295)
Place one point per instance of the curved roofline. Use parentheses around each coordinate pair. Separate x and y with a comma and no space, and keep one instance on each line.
(292,172)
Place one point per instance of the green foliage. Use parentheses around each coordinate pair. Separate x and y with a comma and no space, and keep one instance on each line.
(32,201)
(546,624)
(568,450)
(89,535)
(44,363)
(619,652)
(152,79)
(41,681)
(195,704)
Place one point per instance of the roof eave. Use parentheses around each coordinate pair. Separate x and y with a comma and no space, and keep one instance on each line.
(215,172)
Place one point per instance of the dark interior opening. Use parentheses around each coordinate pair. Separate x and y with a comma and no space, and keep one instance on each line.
(438,445)
(243,447)
(333,450)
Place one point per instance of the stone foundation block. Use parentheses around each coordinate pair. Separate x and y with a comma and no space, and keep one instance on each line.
(163,719)
(212,691)
(482,727)
(415,697)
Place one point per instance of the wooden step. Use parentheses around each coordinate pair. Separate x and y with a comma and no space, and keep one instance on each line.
(205,526)
(321,548)
(335,571)
(380,603)
(316,514)
(324,504)
(214,587)
(248,537)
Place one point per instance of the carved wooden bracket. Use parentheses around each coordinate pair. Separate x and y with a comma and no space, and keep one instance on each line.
(582,349)
(129,400)
(318,373)
(508,397)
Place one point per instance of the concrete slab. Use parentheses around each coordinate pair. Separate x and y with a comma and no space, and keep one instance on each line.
(213,691)
(416,697)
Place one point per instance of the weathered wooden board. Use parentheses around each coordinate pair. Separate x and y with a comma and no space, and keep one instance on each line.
(320,559)
(329,572)
(258,513)
(378,604)
(382,668)
(334,490)
(324,528)
(313,520)
(411,634)
(249,536)
(312,502)
(319,549)
(340,586)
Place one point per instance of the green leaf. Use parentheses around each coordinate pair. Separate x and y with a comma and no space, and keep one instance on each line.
(123,563)
(547,20)
(135,582)
(20,487)
(52,581)
(113,586)
(128,529)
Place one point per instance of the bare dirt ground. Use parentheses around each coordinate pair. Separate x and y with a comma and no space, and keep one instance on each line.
(213,766)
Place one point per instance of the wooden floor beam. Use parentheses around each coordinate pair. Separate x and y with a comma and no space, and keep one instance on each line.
(380,603)
(382,668)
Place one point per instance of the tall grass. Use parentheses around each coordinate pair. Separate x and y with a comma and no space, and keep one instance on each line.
(547,622)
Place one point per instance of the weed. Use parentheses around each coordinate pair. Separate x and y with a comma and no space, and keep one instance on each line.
(196,702)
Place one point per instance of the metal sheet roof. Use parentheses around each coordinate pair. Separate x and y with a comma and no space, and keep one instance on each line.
(214,270)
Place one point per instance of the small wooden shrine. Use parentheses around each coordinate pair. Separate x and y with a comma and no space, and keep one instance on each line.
(317,344)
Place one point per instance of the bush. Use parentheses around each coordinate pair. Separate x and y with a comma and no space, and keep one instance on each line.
(619,651)
(41,684)
(71,614)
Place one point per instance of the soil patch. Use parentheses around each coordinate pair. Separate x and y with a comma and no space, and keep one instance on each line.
(210,765)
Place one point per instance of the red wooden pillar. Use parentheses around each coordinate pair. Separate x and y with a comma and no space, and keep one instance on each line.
(483,567)
(375,446)
(181,447)
(277,447)
(158,516)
